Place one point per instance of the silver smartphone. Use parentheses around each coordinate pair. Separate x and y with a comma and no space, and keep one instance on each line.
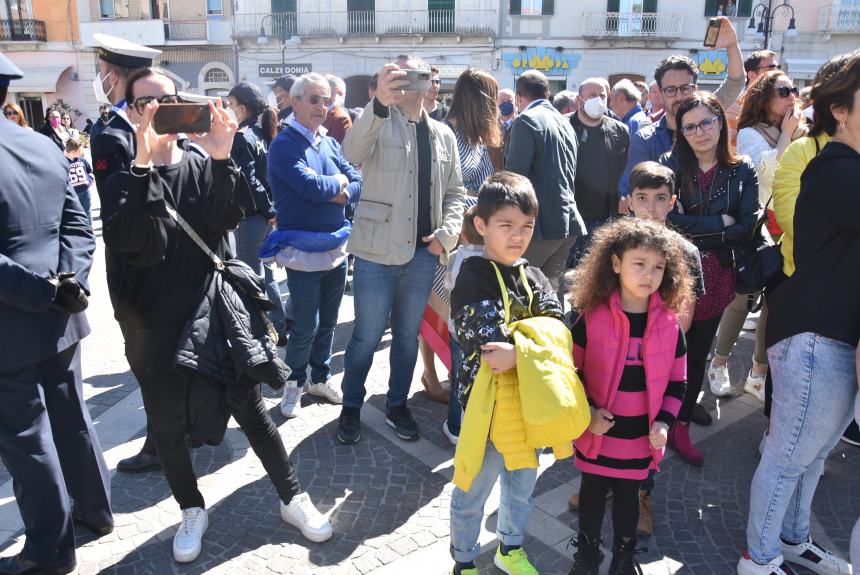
(419,81)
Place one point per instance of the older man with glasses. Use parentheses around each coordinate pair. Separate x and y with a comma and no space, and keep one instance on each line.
(677,78)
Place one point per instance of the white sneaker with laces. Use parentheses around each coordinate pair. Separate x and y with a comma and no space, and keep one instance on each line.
(291,402)
(815,558)
(746,566)
(451,437)
(755,386)
(718,377)
(302,514)
(188,540)
(326,391)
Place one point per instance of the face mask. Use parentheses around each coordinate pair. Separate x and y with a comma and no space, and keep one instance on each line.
(506,108)
(55,122)
(102,97)
(809,112)
(595,107)
(272,100)
(232,114)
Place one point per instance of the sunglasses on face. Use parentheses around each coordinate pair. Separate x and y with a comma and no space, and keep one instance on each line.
(705,125)
(8,113)
(685,90)
(785,91)
(140,104)
(315,100)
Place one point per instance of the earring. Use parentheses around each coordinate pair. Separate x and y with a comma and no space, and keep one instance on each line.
(842,126)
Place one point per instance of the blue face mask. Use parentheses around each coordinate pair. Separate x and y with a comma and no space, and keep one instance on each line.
(506,108)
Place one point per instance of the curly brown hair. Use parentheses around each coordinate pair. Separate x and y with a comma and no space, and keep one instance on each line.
(756,108)
(594,281)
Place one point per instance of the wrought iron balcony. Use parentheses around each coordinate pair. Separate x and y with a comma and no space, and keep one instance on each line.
(839,20)
(631,25)
(366,23)
(23,31)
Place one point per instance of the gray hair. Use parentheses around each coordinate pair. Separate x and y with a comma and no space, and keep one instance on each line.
(336,83)
(564,100)
(508,92)
(628,89)
(298,89)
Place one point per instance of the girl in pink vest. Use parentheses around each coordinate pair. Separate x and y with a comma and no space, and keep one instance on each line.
(630,352)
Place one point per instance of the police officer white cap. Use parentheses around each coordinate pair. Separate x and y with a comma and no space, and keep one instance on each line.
(8,71)
(123,53)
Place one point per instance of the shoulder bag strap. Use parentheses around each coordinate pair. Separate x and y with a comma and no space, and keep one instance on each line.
(193,235)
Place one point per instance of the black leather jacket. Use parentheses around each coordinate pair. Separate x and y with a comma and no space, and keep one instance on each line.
(734,192)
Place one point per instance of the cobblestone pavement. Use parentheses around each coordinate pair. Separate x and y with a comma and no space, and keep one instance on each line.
(388,500)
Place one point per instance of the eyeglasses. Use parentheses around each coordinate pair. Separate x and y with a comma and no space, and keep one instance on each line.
(785,91)
(8,113)
(685,90)
(705,125)
(769,67)
(139,105)
(436,82)
(315,100)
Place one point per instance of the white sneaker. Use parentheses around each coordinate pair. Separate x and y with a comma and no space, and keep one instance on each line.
(755,386)
(187,542)
(718,377)
(291,402)
(451,437)
(327,391)
(302,514)
(747,566)
(815,558)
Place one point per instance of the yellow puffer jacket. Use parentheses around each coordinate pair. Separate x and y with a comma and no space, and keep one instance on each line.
(540,404)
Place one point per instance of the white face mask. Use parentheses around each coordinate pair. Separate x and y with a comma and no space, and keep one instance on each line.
(595,107)
(102,97)
(809,112)
(272,100)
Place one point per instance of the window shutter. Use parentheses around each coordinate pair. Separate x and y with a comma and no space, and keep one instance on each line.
(613,5)
(710,7)
(744,8)
(548,8)
(649,6)
(516,7)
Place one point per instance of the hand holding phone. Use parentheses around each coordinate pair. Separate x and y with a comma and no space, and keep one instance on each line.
(182,119)
(419,81)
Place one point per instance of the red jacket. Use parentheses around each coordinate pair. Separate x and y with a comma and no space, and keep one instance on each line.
(337,123)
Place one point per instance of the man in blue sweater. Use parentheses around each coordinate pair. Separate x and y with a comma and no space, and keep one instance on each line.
(311,184)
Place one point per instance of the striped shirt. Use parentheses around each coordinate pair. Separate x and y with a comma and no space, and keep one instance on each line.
(475,163)
(626,446)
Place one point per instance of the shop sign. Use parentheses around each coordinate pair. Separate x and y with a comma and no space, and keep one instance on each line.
(278,70)
(547,60)
(713,64)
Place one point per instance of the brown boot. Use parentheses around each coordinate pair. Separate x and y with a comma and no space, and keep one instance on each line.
(646,520)
(574,502)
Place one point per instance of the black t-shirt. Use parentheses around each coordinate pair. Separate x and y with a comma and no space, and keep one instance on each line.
(439,113)
(592,193)
(425,225)
(694,262)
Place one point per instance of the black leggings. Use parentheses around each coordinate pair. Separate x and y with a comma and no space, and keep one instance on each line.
(700,336)
(151,355)
(592,505)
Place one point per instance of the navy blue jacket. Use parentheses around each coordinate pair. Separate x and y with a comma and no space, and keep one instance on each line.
(304,184)
(43,230)
(249,152)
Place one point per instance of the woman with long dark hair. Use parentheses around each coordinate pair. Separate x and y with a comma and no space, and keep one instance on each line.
(770,120)
(258,126)
(716,210)
(812,336)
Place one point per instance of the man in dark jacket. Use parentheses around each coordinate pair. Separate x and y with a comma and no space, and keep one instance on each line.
(47,440)
(603,144)
(543,148)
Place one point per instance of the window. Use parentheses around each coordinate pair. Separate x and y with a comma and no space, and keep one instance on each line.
(15,10)
(533,7)
(107,9)
(216,76)
(742,8)
(113,9)
(214,7)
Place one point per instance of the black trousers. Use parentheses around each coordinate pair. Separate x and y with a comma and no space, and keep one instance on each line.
(48,444)
(592,505)
(151,357)
(700,337)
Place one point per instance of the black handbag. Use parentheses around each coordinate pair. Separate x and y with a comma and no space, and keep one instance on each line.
(759,260)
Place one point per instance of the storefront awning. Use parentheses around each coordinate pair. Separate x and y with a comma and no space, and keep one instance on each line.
(802,68)
(41,79)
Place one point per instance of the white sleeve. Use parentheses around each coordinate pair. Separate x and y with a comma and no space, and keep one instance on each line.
(763,156)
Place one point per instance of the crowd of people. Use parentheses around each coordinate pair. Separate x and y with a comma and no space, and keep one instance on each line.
(571,259)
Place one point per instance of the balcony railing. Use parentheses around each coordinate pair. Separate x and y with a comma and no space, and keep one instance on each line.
(631,25)
(189,30)
(365,23)
(840,20)
(23,31)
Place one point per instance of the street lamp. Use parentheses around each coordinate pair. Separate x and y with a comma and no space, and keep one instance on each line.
(766,13)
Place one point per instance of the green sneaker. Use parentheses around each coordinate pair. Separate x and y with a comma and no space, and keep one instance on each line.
(473,571)
(514,563)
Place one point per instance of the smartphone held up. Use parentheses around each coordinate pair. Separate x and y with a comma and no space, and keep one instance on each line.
(713,32)
(182,119)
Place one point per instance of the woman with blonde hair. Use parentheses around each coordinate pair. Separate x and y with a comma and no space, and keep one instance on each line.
(14,113)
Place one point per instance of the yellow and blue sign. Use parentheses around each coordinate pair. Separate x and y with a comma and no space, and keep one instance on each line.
(547,60)
(713,64)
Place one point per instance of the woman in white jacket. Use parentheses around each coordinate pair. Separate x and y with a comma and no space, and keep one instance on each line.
(769,122)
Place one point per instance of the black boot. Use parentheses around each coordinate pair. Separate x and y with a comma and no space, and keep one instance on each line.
(587,559)
(623,562)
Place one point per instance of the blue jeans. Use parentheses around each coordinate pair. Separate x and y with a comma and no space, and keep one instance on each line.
(814,387)
(84,198)
(318,295)
(455,410)
(248,237)
(381,291)
(467,507)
